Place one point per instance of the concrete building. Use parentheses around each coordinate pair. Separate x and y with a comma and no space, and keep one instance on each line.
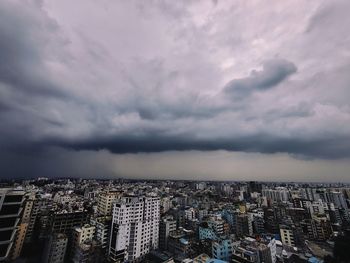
(244,225)
(222,249)
(11,202)
(82,234)
(65,221)
(190,213)
(88,252)
(280,194)
(212,229)
(287,236)
(339,200)
(56,247)
(180,243)
(135,228)
(166,226)
(22,228)
(85,249)
(251,250)
(105,202)
(32,198)
(165,204)
(103,229)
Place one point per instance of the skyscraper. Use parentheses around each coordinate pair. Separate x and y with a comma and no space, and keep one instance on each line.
(135,227)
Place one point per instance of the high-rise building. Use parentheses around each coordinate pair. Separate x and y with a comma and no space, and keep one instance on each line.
(11,202)
(166,225)
(135,227)
(105,202)
(32,198)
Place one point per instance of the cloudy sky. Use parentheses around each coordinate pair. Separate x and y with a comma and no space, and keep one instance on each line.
(224,90)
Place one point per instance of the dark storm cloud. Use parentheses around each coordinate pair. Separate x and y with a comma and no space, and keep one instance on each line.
(273,73)
(324,148)
(157,83)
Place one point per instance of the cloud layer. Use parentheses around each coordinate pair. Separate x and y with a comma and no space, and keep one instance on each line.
(127,77)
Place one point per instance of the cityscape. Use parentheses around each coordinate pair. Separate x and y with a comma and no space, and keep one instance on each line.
(174,131)
(81,220)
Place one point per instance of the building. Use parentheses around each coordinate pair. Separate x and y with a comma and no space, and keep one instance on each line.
(251,250)
(22,228)
(212,228)
(190,213)
(83,233)
(56,247)
(244,226)
(280,194)
(166,226)
(292,236)
(85,248)
(11,202)
(180,243)
(339,200)
(287,236)
(135,227)
(33,216)
(88,252)
(105,202)
(103,229)
(318,228)
(65,221)
(222,249)
(165,204)
(204,258)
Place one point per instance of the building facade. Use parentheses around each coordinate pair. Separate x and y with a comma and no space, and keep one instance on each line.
(135,228)
(11,202)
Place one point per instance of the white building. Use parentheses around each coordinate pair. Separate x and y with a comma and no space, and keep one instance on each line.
(280,194)
(273,248)
(84,233)
(135,228)
(190,213)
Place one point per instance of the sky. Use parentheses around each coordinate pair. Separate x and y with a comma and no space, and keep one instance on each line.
(202,90)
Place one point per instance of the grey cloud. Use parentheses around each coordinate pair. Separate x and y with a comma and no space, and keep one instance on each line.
(25,34)
(273,73)
(73,84)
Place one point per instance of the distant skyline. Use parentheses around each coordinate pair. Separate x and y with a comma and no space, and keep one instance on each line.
(195,90)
